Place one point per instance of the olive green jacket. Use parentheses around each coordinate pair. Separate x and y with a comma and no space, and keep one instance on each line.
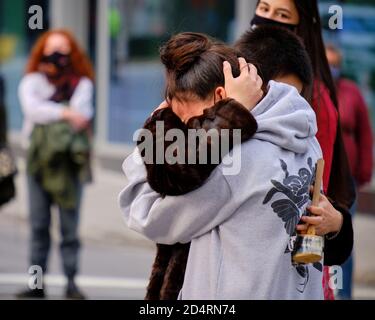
(59,158)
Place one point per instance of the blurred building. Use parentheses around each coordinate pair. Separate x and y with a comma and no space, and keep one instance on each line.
(123,36)
(357,41)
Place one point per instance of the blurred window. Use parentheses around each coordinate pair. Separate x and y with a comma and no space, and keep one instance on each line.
(356,40)
(137,30)
(16,39)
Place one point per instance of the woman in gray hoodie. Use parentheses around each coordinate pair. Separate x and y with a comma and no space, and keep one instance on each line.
(241,227)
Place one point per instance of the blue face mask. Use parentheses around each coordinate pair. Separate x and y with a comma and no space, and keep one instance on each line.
(336,73)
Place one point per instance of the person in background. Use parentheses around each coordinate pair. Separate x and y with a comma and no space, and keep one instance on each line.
(302,17)
(56,98)
(7,164)
(358,140)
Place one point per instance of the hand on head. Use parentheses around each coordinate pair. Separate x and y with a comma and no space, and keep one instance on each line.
(247,88)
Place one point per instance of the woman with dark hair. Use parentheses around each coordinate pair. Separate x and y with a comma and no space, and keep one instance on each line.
(56,98)
(302,17)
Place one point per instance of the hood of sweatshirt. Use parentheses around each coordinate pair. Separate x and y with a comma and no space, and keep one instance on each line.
(285,118)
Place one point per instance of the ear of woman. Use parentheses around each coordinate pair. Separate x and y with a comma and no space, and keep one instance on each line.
(220,94)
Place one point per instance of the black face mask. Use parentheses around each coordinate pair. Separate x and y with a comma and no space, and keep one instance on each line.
(259,21)
(59,60)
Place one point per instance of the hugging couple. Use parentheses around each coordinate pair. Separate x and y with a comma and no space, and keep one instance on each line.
(222,236)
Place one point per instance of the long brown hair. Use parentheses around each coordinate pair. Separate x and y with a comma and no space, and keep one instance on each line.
(341,187)
(310,30)
(80,62)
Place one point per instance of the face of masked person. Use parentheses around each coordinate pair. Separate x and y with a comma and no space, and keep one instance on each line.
(336,72)
(56,55)
(59,60)
(281,13)
(259,21)
(335,61)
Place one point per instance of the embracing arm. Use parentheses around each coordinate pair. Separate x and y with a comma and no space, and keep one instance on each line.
(182,177)
(175,219)
(181,218)
(226,114)
(338,247)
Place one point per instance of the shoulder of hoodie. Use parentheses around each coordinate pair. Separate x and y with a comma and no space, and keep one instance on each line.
(296,99)
(253,156)
(288,93)
(259,162)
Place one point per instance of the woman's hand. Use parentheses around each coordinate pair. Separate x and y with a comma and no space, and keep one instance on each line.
(75,119)
(247,88)
(326,218)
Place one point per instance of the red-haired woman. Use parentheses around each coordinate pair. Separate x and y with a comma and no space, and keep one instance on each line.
(56,97)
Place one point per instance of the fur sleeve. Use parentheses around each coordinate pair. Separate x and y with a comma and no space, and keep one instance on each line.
(181,178)
(226,114)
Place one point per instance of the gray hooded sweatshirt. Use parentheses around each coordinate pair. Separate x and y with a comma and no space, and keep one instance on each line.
(241,227)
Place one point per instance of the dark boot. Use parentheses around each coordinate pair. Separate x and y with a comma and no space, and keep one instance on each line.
(72,291)
(31,294)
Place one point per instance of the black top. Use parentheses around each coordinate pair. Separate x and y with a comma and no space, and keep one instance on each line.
(339,249)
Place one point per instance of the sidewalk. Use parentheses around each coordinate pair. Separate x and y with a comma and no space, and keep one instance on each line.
(115,261)
(101,218)
(107,271)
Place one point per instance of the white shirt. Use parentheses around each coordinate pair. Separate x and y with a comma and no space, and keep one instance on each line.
(34,93)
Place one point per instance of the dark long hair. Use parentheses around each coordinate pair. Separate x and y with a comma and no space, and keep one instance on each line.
(310,30)
(341,187)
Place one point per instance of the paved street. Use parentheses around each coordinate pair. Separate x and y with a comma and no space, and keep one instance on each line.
(108,271)
(115,261)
